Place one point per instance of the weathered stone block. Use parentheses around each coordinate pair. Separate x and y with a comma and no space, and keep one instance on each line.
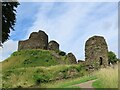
(81,62)
(71,58)
(53,45)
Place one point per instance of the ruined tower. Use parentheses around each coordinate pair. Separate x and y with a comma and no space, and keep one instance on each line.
(37,40)
(71,58)
(53,45)
(96,51)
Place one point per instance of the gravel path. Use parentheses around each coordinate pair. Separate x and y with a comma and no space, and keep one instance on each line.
(86,85)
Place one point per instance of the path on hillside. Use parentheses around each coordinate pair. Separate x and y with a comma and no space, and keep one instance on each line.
(87,84)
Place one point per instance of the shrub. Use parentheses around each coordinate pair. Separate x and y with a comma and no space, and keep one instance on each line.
(39,70)
(78,68)
(15,54)
(62,53)
(41,78)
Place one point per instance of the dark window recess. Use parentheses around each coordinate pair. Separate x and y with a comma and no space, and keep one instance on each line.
(101,60)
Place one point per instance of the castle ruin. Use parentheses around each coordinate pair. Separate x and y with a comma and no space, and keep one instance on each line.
(96,51)
(71,58)
(37,40)
(53,45)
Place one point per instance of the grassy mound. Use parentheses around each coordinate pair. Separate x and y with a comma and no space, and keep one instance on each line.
(48,69)
(33,58)
(31,68)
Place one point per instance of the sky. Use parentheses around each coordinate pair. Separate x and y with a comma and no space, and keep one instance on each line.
(71,24)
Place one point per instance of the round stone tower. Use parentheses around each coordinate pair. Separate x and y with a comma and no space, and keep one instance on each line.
(96,51)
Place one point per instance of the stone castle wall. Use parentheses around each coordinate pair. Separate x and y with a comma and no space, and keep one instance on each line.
(71,58)
(37,40)
(53,45)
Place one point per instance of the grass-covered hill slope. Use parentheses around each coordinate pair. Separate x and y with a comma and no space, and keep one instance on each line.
(31,68)
(48,69)
(34,58)
(35,76)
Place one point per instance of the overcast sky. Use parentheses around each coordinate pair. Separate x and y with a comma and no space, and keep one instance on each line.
(69,23)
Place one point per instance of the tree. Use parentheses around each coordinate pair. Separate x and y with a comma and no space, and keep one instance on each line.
(8,18)
(112,57)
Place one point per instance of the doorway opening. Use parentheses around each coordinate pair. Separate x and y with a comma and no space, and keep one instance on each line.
(101,60)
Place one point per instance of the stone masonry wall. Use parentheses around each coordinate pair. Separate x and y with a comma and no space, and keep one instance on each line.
(96,51)
(53,45)
(71,58)
(37,40)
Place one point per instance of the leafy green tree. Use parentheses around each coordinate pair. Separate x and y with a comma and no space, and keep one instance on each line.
(112,57)
(8,18)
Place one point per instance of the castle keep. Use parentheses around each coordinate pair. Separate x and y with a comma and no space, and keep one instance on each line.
(38,40)
(96,51)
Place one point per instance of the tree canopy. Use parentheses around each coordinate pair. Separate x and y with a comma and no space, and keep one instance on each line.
(112,57)
(8,18)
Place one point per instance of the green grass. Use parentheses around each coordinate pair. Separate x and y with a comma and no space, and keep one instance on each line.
(31,76)
(46,69)
(107,78)
(32,67)
(97,84)
(33,58)
(69,83)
